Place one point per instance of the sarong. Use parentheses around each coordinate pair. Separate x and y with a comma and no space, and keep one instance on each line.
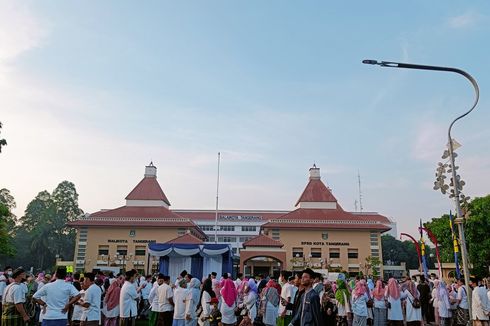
(359,320)
(10,315)
(380,316)
(462,316)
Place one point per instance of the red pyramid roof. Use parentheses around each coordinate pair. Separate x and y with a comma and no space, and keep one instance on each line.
(187,239)
(262,241)
(148,189)
(316,191)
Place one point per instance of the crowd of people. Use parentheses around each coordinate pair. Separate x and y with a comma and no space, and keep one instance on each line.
(294,299)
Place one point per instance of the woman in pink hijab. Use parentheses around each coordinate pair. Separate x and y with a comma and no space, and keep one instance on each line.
(379,313)
(392,294)
(228,302)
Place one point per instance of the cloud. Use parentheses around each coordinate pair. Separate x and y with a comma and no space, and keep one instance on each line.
(428,141)
(466,20)
(20,30)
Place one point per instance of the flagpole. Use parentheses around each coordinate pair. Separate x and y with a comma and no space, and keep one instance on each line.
(217,198)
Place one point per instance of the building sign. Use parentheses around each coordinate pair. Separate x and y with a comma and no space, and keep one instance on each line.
(126,241)
(322,243)
(240,218)
(132,233)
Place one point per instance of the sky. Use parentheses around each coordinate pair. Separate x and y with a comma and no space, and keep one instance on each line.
(92,91)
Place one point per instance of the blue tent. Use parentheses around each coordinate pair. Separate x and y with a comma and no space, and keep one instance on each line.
(198,260)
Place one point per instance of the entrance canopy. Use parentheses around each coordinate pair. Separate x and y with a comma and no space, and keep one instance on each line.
(197,259)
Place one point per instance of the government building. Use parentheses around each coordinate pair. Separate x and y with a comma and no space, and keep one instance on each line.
(318,233)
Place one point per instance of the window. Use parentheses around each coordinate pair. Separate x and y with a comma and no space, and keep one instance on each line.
(140,251)
(352,254)
(227,228)
(374,243)
(226,239)
(316,252)
(82,246)
(276,234)
(181,231)
(211,238)
(334,253)
(297,252)
(103,250)
(243,239)
(122,250)
(207,227)
(234,250)
(248,228)
(353,271)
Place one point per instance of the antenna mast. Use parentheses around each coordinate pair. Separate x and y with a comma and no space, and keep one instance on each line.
(360,192)
(217,198)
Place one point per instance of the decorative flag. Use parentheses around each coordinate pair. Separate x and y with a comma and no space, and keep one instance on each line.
(455,244)
(422,252)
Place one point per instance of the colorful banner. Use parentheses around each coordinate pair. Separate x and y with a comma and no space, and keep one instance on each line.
(455,245)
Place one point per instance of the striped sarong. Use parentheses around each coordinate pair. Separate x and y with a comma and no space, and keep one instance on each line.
(10,315)
(380,316)
(359,320)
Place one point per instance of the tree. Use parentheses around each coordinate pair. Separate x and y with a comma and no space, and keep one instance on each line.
(3,142)
(476,232)
(8,201)
(396,251)
(6,247)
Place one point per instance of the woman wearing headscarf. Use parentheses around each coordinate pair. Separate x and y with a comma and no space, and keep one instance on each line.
(270,299)
(329,308)
(342,296)
(435,300)
(359,304)
(206,294)
(378,295)
(111,302)
(444,305)
(228,302)
(191,302)
(393,299)
(250,298)
(413,312)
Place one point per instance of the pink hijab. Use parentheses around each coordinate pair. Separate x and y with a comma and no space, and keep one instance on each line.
(393,289)
(229,292)
(379,291)
(360,289)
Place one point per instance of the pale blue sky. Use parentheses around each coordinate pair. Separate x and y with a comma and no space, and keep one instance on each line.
(94,90)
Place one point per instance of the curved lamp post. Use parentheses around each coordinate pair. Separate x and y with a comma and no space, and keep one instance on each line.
(456,183)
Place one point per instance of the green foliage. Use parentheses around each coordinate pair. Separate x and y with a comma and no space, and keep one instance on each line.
(476,233)
(3,142)
(43,231)
(396,252)
(6,246)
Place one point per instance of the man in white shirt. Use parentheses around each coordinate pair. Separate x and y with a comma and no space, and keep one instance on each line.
(180,295)
(239,280)
(480,305)
(91,301)
(462,314)
(153,299)
(127,300)
(59,296)
(13,301)
(3,283)
(166,302)
(286,297)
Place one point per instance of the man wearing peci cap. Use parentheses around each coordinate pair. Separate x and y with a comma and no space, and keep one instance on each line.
(308,312)
(13,299)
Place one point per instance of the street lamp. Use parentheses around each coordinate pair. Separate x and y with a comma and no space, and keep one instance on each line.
(456,183)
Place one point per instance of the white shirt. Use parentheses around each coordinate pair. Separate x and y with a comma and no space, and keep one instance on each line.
(92,297)
(411,314)
(145,292)
(179,308)
(127,300)
(153,298)
(57,295)
(462,295)
(164,294)
(77,309)
(14,293)
(480,303)
(286,292)
(3,284)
